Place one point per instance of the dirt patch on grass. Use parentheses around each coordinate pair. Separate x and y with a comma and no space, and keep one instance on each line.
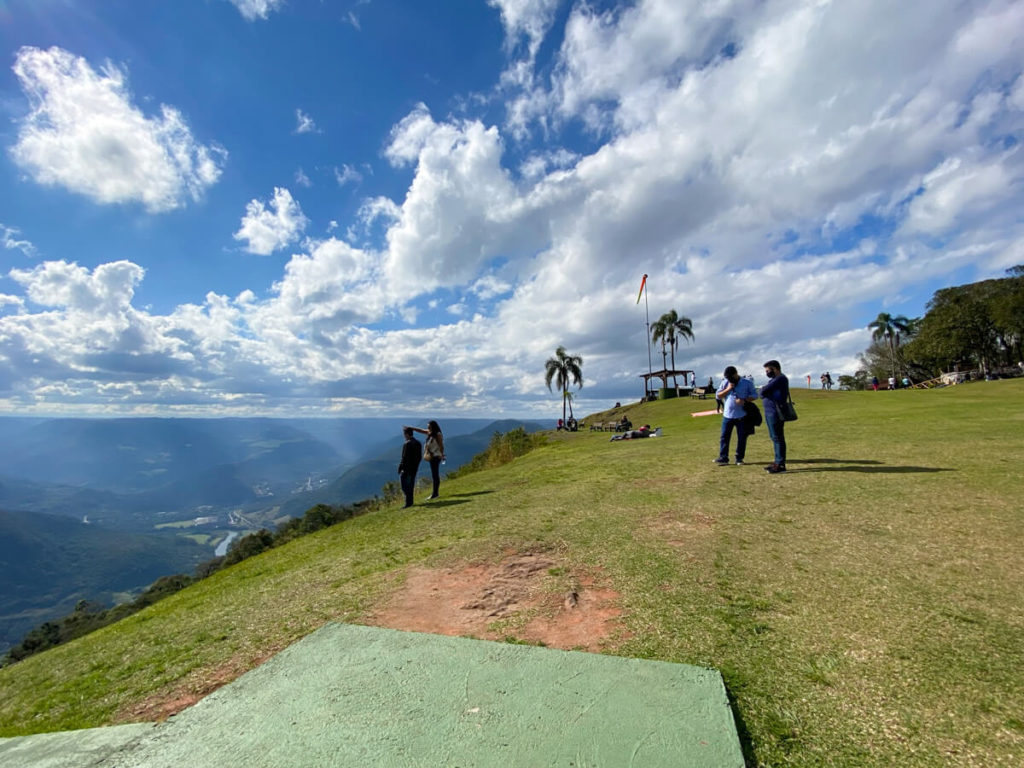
(526,597)
(163,704)
(682,529)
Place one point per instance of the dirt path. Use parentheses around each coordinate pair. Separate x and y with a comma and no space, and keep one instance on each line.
(526,596)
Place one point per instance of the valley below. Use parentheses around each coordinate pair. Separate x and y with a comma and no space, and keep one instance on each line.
(95,510)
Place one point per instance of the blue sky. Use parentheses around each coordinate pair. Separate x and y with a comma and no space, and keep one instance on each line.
(292,207)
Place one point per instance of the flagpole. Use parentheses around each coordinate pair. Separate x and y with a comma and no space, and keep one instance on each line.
(650,369)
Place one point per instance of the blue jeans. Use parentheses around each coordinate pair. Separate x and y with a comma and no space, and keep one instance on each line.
(741,438)
(777,432)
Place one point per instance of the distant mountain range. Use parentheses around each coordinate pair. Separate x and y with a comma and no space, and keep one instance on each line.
(81,499)
(121,472)
(367,478)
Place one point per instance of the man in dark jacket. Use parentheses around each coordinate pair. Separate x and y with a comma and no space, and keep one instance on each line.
(412,453)
(773,394)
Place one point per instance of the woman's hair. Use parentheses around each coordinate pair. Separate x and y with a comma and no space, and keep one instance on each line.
(433,428)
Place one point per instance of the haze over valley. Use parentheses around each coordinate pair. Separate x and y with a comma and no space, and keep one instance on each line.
(97,509)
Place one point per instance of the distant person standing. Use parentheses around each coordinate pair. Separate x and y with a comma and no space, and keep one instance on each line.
(433,452)
(736,392)
(709,390)
(874,383)
(773,394)
(412,454)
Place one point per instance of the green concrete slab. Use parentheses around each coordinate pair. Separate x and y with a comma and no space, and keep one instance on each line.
(364,696)
(93,747)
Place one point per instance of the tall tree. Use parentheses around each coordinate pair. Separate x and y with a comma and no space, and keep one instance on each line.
(959,327)
(889,328)
(659,333)
(670,328)
(563,369)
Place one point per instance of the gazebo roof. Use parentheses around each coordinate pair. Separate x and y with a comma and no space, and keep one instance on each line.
(664,373)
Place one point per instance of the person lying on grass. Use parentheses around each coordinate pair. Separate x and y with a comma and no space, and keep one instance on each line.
(644,431)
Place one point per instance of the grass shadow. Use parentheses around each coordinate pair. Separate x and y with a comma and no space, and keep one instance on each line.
(742,731)
(834,461)
(444,503)
(471,493)
(875,470)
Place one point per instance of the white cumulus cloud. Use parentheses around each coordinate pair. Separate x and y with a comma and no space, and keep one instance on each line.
(347,175)
(304,123)
(266,231)
(9,236)
(84,133)
(525,18)
(256,9)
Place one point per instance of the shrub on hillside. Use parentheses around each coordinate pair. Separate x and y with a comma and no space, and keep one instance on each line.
(90,616)
(247,546)
(209,567)
(316,518)
(502,449)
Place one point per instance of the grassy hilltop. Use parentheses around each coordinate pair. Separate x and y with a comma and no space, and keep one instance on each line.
(865,608)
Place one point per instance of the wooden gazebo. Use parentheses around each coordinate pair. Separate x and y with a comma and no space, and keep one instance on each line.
(689,381)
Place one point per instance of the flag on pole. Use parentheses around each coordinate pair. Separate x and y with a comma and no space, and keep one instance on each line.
(641,294)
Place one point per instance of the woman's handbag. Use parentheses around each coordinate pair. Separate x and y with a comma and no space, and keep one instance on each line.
(787,410)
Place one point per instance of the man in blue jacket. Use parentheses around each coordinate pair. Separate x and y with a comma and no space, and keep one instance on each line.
(774,394)
(736,392)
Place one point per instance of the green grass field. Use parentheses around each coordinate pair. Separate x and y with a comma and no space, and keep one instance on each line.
(865,609)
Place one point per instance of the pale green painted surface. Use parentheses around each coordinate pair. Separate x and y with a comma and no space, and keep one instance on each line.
(364,696)
(91,748)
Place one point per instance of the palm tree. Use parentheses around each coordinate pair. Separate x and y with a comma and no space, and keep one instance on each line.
(563,369)
(670,328)
(658,333)
(889,327)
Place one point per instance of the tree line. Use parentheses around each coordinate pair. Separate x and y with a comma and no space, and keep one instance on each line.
(973,327)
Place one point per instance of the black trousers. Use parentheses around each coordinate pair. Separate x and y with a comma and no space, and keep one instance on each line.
(435,474)
(408,484)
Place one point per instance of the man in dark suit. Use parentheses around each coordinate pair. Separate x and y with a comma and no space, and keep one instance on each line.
(412,453)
